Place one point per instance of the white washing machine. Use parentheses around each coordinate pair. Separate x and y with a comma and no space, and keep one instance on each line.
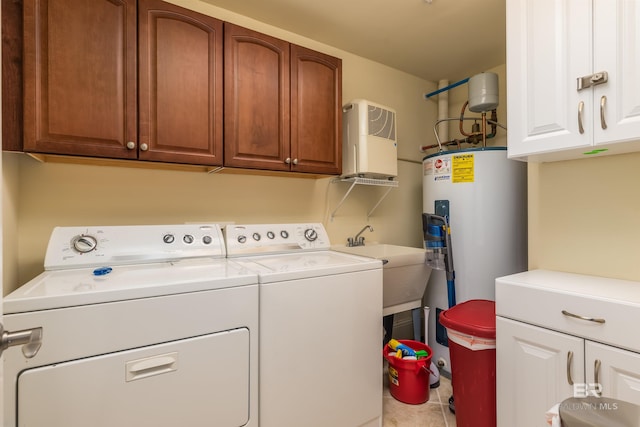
(134,326)
(320,326)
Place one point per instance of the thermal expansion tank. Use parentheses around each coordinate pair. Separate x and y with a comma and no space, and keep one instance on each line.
(486,198)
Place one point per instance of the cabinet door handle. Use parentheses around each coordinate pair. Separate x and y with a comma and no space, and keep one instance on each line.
(131,145)
(295,161)
(144,147)
(580,112)
(596,375)
(577,316)
(569,363)
(603,103)
(287,160)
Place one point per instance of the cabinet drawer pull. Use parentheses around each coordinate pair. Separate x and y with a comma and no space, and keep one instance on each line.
(569,363)
(596,376)
(603,103)
(577,316)
(580,111)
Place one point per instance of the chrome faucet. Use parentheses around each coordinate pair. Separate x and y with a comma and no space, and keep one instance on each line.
(358,240)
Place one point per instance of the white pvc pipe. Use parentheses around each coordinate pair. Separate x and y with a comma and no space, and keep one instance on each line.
(443,111)
(434,377)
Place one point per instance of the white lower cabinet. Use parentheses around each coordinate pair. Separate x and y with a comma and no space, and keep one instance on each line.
(531,376)
(616,370)
(561,335)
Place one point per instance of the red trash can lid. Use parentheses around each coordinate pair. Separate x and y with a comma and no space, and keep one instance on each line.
(475,317)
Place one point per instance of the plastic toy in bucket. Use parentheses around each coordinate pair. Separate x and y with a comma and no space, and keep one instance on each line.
(409,378)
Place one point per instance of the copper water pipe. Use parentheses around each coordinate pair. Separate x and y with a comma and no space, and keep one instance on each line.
(484,129)
(464,107)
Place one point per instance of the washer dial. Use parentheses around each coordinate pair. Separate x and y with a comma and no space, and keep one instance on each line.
(84,243)
(310,234)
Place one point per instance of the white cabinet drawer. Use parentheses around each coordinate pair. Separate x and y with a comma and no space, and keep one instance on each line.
(540,297)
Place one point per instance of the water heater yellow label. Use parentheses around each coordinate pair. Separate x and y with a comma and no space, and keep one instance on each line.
(462,168)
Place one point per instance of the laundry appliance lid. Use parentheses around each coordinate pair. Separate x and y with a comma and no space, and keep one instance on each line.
(300,265)
(82,286)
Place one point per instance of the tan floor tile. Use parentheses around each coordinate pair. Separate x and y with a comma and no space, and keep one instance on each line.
(434,413)
(398,414)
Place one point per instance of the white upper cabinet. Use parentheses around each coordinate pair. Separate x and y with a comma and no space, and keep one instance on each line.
(552,45)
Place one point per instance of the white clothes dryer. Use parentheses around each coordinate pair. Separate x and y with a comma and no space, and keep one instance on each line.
(134,326)
(320,326)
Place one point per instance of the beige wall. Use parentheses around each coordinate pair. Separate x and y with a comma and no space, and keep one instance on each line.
(39,196)
(584,216)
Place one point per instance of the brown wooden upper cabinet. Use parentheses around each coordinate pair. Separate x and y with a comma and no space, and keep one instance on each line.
(283,105)
(122,79)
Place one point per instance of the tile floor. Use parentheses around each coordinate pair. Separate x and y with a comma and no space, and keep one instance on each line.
(433,413)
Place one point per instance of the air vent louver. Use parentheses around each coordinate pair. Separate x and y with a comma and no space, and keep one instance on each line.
(381,122)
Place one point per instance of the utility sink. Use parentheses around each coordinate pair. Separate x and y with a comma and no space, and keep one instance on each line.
(404,274)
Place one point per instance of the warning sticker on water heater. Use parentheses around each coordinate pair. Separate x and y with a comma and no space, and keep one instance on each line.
(463,168)
(455,169)
(439,168)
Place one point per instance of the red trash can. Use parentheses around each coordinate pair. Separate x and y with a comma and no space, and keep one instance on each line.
(471,330)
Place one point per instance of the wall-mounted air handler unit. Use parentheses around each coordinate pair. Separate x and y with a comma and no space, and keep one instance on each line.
(370,146)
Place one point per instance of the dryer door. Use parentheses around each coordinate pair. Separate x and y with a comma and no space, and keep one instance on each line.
(198,381)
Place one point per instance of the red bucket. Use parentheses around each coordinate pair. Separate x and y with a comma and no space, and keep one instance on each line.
(409,379)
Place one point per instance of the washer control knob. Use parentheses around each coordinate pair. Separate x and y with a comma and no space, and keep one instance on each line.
(256,237)
(284,234)
(242,238)
(207,239)
(310,234)
(188,239)
(271,235)
(84,243)
(168,238)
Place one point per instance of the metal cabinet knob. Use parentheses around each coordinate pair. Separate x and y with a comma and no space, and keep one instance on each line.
(569,363)
(144,147)
(603,104)
(288,160)
(580,113)
(596,375)
(295,161)
(131,145)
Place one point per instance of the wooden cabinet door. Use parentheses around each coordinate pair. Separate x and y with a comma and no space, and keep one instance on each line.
(180,93)
(316,112)
(256,100)
(532,366)
(80,77)
(12,90)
